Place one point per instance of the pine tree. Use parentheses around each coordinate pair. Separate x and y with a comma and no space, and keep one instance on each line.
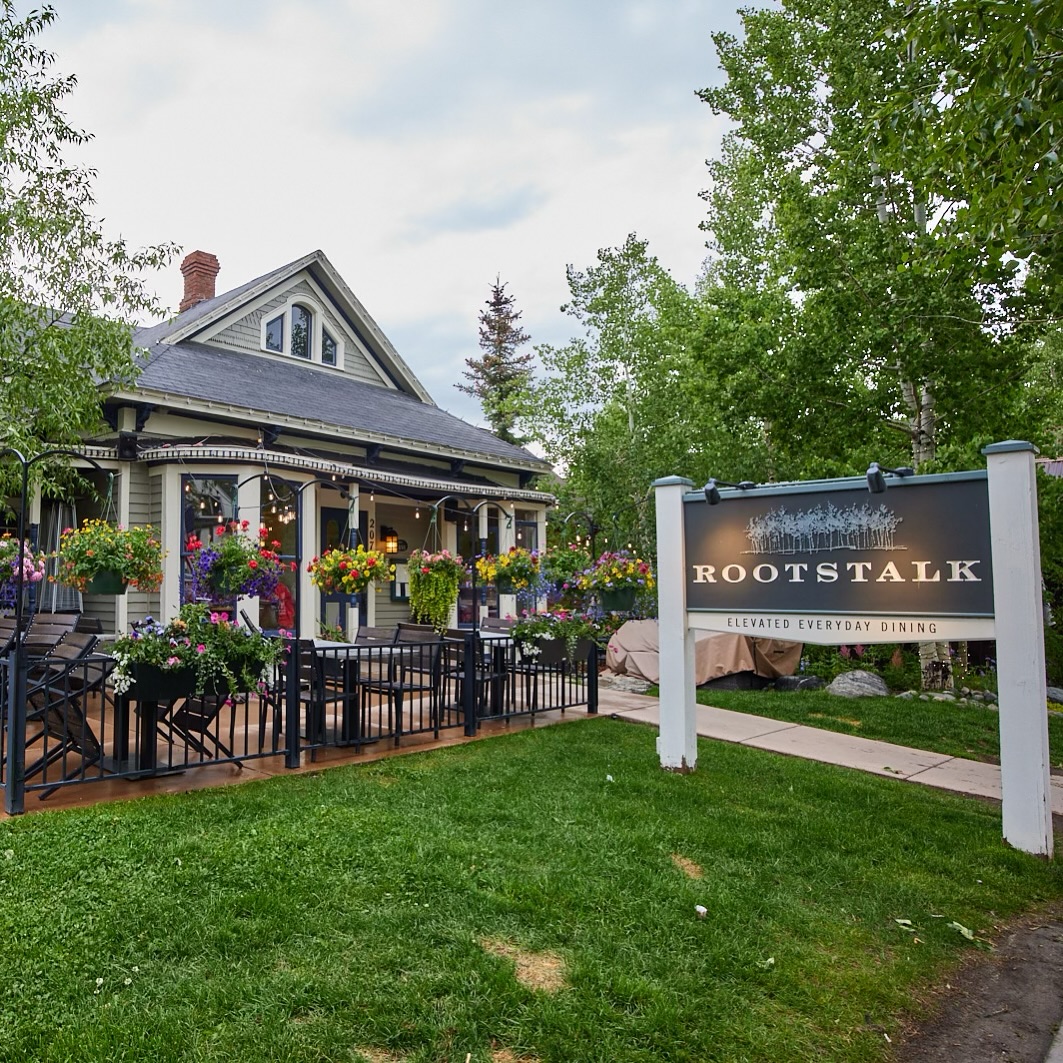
(501,377)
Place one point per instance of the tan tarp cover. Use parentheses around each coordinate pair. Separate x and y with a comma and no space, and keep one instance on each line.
(633,651)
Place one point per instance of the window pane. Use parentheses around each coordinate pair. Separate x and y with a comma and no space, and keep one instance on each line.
(328,348)
(275,334)
(209,504)
(301,322)
(279,509)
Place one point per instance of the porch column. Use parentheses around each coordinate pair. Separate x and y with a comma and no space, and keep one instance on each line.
(121,601)
(353,503)
(449,539)
(370,599)
(540,537)
(170,522)
(507,539)
(478,611)
(309,602)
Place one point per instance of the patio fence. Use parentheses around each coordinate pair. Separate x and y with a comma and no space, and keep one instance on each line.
(63,724)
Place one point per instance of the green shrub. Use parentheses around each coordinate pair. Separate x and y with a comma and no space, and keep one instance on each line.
(898,665)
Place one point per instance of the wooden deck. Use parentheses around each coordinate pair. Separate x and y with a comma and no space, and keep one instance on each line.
(199,777)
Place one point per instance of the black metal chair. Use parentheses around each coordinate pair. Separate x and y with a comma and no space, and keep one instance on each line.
(414,670)
(192,722)
(56,699)
(488,672)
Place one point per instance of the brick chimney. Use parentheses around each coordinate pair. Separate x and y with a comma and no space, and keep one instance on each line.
(199,270)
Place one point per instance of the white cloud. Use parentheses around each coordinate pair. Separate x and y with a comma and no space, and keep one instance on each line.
(425,147)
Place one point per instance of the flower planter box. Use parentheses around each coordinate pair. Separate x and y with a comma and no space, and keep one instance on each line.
(555,651)
(152,683)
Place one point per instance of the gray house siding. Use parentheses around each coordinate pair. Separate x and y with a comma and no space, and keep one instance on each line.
(246,334)
(145,507)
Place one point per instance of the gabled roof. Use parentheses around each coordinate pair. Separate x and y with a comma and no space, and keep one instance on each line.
(183,371)
(278,390)
(197,321)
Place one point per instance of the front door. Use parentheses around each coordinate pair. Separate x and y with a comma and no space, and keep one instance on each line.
(337,532)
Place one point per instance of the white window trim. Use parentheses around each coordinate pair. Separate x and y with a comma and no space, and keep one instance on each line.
(317,315)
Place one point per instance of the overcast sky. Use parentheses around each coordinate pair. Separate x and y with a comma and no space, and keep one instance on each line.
(424,146)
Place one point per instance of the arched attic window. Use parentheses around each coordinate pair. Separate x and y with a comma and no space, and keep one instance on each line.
(298,330)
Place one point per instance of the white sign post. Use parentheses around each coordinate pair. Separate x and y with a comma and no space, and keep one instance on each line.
(1016,622)
(1019,618)
(677,745)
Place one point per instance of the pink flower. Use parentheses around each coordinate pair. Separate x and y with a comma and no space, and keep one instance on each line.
(201,648)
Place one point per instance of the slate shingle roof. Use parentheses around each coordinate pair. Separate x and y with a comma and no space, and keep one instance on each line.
(281,388)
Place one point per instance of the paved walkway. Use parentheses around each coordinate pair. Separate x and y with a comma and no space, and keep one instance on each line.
(812,743)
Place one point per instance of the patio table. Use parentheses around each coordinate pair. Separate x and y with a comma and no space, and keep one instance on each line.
(352,661)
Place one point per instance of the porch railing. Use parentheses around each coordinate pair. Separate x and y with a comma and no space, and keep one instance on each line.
(66,727)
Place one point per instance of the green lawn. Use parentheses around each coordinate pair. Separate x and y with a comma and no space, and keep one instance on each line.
(307,917)
(959,730)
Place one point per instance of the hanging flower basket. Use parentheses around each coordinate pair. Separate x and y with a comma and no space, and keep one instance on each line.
(133,555)
(616,579)
(349,571)
(11,560)
(563,566)
(435,580)
(617,600)
(107,581)
(509,572)
(234,564)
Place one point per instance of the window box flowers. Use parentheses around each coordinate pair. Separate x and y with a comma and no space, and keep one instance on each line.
(198,651)
(349,571)
(509,572)
(235,564)
(552,637)
(103,558)
(617,578)
(435,580)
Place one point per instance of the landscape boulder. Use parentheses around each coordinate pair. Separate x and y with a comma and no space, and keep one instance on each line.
(859,685)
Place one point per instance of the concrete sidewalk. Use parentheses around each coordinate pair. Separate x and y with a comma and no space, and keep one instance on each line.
(812,743)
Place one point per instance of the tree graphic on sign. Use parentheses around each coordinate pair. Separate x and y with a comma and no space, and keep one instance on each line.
(810,531)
